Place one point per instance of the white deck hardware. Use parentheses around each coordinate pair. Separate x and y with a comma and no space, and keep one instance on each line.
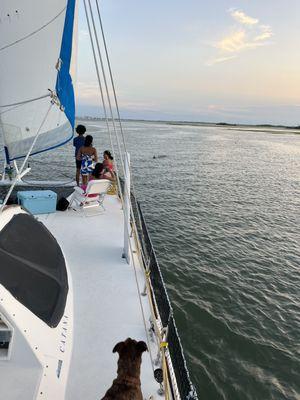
(92,197)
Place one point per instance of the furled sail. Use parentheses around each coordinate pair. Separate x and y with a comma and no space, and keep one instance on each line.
(35,51)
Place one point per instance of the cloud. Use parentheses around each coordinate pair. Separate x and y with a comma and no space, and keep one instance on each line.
(219,60)
(248,34)
(266,33)
(233,42)
(241,17)
(241,40)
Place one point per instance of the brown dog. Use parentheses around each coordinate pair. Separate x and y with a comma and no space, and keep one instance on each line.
(127,385)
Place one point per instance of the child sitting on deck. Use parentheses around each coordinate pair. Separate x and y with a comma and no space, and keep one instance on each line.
(99,172)
(108,161)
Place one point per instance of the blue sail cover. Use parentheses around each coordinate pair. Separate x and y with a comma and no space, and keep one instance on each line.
(36,41)
(64,85)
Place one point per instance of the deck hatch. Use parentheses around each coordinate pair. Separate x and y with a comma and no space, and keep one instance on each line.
(33,268)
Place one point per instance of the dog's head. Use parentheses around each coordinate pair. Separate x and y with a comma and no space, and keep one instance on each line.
(130,348)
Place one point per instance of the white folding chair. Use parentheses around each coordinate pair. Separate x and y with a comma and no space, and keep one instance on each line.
(93,196)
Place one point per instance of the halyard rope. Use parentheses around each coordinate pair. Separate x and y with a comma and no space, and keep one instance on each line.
(118,115)
(120,191)
(100,85)
(123,167)
(20,103)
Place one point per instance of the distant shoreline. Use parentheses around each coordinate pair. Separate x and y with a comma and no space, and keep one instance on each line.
(244,127)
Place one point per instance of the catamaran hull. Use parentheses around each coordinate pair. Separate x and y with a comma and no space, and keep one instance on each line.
(35,361)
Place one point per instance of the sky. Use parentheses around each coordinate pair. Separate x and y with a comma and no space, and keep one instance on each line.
(197,60)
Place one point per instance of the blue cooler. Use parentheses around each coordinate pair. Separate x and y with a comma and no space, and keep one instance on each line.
(38,201)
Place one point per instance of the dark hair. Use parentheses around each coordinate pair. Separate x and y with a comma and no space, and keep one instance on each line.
(97,170)
(80,129)
(108,153)
(88,141)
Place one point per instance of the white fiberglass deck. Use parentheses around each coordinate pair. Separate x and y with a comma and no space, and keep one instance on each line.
(106,304)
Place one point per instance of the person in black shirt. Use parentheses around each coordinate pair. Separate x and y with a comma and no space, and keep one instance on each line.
(77,143)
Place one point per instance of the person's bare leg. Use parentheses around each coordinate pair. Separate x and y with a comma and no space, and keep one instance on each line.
(84,179)
(77,176)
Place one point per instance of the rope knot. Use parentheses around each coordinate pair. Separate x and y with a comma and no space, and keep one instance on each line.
(54,98)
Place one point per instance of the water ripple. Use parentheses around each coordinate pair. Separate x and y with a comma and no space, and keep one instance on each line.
(223,212)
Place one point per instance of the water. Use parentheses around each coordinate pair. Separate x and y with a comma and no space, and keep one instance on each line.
(222,208)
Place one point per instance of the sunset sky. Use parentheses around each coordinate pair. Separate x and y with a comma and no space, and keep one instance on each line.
(215,61)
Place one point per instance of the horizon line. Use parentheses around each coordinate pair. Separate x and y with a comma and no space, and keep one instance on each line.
(192,122)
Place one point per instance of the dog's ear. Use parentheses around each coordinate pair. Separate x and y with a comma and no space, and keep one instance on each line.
(118,347)
(141,346)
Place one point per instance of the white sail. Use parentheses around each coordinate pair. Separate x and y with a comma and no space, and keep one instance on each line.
(35,52)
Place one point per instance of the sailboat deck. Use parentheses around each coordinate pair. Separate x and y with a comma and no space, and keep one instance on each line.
(106,304)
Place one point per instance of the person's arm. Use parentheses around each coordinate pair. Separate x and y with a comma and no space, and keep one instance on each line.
(113,176)
(96,156)
(78,157)
(109,175)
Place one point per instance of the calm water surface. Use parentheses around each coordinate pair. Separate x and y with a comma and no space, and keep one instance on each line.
(222,208)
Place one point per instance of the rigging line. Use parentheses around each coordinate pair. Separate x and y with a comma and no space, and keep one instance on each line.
(127,229)
(102,97)
(111,112)
(108,99)
(135,271)
(20,103)
(109,102)
(107,92)
(111,76)
(25,160)
(101,90)
(113,86)
(122,199)
(106,86)
(97,70)
(116,103)
(119,119)
(10,109)
(34,32)
(127,161)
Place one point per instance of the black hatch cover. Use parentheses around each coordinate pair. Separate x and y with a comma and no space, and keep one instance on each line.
(33,269)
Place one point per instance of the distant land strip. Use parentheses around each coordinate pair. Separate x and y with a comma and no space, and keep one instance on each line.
(230,126)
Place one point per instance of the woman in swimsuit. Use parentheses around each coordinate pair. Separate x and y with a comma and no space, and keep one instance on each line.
(108,161)
(88,155)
